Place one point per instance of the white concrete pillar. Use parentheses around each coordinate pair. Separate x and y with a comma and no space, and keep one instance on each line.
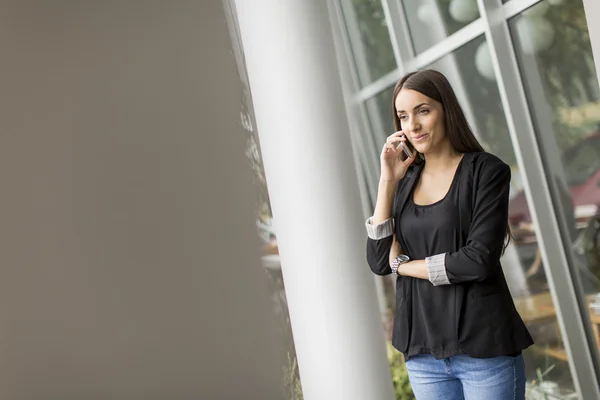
(307,155)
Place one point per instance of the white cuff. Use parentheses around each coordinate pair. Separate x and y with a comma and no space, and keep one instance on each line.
(381,230)
(436,269)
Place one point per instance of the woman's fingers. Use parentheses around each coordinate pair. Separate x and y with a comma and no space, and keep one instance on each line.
(396,134)
(396,137)
(389,149)
(385,149)
(396,140)
(390,146)
(392,143)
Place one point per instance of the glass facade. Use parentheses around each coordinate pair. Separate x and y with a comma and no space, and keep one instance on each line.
(432,20)
(544,50)
(372,50)
(555,58)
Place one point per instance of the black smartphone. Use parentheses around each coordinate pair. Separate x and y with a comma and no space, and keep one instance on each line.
(408,148)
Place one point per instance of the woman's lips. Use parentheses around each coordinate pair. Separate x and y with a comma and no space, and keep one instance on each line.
(419,138)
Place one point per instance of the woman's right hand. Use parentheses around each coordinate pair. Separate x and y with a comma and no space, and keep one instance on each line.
(394,162)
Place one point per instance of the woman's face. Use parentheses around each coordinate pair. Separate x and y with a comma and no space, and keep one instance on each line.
(422,120)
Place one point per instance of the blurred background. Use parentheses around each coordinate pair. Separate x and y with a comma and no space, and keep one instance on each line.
(525,74)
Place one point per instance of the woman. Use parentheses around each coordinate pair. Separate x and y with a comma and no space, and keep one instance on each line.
(446,210)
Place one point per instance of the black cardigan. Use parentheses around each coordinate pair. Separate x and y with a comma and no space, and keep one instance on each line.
(488,323)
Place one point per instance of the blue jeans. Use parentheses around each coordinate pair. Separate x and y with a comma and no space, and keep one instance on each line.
(463,377)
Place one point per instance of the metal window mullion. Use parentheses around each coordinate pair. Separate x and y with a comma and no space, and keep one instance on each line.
(369,151)
(343,16)
(364,141)
(338,23)
(376,125)
(362,144)
(523,138)
(429,56)
(515,7)
(378,86)
(362,170)
(347,18)
(399,33)
(450,44)
(368,198)
(336,19)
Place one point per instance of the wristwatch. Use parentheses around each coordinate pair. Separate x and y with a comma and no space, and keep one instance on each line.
(401,259)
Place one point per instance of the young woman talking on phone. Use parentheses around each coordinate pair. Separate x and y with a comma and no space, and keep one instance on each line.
(441,224)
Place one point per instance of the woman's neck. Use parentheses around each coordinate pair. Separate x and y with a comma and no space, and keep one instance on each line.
(441,159)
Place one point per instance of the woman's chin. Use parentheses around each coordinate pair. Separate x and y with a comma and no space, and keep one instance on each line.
(422,148)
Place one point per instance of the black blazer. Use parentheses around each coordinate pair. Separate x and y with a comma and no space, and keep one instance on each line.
(488,324)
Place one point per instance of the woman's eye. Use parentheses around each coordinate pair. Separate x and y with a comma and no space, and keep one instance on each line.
(424,111)
(402,117)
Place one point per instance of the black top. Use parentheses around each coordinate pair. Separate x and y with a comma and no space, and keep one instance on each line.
(432,229)
(482,321)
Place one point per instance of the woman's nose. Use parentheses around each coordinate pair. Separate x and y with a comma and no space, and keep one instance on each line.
(413,125)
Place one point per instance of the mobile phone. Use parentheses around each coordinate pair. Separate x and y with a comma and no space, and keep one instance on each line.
(407,148)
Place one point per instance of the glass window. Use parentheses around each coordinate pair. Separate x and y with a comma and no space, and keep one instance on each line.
(431,21)
(472,77)
(370,39)
(471,74)
(582,162)
(555,59)
(379,109)
(469,70)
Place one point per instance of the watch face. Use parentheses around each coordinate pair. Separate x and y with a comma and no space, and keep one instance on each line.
(403,258)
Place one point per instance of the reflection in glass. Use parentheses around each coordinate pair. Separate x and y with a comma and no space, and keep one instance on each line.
(431,21)
(555,58)
(470,72)
(269,249)
(370,39)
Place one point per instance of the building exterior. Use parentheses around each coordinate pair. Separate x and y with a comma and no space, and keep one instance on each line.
(321,76)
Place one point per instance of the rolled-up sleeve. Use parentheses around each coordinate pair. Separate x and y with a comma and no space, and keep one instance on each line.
(381,230)
(436,269)
(479,259)
(379,243)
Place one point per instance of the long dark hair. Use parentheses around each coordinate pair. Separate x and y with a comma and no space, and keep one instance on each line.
(435,85)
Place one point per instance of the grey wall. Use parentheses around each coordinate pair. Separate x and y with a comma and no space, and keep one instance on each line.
(128,264)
